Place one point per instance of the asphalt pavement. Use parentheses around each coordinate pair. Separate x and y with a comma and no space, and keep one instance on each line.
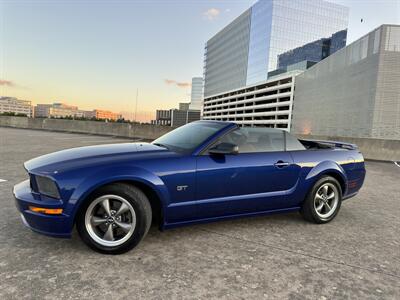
(356,256)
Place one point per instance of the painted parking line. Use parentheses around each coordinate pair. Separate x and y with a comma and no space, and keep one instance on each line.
(2,180)
(397,163)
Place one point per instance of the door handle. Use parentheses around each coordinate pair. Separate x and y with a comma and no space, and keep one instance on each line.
(281,164)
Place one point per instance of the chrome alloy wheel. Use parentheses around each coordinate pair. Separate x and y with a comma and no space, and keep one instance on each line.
(326,200)
(110,220)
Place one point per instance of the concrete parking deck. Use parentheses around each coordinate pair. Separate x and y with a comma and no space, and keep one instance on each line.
(356,256)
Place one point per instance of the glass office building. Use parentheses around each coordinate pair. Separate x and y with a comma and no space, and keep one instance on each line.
(196,95)
(314,51)
(243,52)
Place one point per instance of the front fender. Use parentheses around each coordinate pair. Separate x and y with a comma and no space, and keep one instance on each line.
(115,174)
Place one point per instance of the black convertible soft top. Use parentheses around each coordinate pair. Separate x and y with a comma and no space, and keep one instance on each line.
(322,144)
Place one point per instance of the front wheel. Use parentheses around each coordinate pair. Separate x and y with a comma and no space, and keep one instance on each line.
(114,219)
(323,201)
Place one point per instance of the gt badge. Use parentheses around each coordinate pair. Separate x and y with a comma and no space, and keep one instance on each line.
(181,188)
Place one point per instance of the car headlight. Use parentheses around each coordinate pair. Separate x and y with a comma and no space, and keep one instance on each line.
(47,187)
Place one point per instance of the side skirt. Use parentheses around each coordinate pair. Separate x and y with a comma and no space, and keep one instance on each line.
(236,216)
(349,196)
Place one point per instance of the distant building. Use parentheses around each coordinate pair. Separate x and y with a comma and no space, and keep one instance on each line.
(184,106)
(244,51)
(266,104)
(182,117)
(57,110)
(102,115)
(355,92)
(42,110)
(196,97)
(62,110)
(163,117)
(14,105)
(176,117)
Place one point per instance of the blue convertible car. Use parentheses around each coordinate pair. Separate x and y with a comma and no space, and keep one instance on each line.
(200,172)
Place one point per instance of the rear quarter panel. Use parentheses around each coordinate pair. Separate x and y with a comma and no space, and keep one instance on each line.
(345,165)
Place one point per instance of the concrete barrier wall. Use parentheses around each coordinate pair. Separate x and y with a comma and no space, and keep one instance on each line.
(377,149)
(148,132)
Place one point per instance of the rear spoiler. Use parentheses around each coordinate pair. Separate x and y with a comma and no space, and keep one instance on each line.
(335,144)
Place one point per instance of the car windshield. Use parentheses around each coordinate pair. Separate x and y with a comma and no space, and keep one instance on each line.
(188,137)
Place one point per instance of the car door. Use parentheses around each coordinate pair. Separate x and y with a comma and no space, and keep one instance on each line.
(256,179)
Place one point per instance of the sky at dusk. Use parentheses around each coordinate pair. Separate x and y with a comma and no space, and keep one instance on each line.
(96,54)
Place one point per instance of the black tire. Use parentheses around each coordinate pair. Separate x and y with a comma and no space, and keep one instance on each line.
(309,209)
(142,210)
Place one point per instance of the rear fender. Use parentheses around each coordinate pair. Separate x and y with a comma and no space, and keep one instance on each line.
(327,167)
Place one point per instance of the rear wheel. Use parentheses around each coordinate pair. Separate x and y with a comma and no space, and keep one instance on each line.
(114,219)
(323,201)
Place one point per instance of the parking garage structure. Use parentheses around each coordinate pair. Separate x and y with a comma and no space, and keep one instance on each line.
(265,104)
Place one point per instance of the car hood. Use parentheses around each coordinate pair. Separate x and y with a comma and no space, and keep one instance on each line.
(88,152)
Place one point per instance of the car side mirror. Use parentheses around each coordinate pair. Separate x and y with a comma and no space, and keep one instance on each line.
(224,148)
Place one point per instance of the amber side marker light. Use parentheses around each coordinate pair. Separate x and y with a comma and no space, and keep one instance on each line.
(47,211)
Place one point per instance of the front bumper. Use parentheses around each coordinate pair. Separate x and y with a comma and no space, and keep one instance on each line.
(52,225)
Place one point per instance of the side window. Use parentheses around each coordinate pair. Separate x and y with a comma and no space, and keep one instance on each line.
(251,140)
(293,144)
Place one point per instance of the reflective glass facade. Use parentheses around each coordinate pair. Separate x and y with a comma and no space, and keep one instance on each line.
(298,22)
(197,93)
(314,51)
(226,56)
(259,43)
(248,48)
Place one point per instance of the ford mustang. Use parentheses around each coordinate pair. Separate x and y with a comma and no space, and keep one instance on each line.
(200,172)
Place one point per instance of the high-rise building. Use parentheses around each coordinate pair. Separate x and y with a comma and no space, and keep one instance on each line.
(176,117)
(314,51)
(184,106)
(163,117)
(243,52)
(16,106)
(182,117)
(196,97)
(353,93)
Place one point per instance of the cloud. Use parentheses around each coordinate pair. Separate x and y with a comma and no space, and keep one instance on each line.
(211,14)
(177,83)
(7,83)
